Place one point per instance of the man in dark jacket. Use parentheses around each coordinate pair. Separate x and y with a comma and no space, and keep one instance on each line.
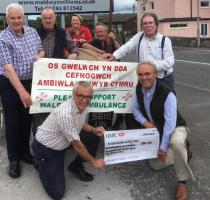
(56,44)
(155,106)
(104,40)
(54,39)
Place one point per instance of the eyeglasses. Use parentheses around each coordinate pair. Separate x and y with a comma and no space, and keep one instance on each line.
(48,18)
(145,74)
(83,97)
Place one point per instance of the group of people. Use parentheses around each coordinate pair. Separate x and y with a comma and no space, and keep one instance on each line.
(154,102)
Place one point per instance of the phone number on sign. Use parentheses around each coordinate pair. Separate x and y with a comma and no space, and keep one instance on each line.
(66,8)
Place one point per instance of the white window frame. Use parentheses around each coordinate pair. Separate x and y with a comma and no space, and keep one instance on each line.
(207,28)
(151,4)
(143,7)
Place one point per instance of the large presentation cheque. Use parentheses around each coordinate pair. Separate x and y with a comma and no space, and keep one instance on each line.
(130,145)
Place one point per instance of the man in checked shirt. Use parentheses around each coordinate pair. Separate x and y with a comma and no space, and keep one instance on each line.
(60,130)
(20,47)
(56,44)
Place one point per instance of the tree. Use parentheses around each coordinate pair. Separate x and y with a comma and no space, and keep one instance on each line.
(2,23)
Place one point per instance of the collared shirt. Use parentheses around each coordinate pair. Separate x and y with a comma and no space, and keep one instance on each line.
(62,126)
(19,50)
(170,114)
(49,44)
(150,50)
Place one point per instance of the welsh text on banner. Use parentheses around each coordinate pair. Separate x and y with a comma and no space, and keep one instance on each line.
(113,82)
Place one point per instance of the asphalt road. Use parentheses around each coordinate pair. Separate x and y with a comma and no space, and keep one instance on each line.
(135,180)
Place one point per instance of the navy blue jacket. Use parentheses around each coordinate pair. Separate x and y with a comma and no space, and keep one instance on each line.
(60,40)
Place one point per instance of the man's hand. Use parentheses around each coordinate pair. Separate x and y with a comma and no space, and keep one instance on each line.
(112,36)
(162,155)
(99,131)
(40,55)
(148,124)
(26,99)
(83,152)
(99,164)
(79,40)
(107,56)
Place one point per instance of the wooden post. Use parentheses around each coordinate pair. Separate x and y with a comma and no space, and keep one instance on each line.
(110,14)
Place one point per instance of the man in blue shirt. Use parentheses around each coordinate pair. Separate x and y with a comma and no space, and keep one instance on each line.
(155,106)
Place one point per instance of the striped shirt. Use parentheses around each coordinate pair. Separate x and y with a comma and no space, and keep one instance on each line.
(62,126)
(19,50)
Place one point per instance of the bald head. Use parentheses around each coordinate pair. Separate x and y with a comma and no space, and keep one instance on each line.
(147,73)
(48,18)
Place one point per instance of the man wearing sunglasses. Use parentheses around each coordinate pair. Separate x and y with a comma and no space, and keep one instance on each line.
(60,130)
(155,106)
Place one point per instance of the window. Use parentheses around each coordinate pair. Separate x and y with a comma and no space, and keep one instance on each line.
(178,26)
(143,7)
(151,5)
(205,3)
(204,29)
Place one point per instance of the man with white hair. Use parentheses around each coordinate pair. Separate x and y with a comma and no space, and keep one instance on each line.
(20,47)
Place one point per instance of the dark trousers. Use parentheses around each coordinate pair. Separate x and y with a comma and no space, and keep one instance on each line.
(91,142)
(168,81)
(17,119)
(50,166)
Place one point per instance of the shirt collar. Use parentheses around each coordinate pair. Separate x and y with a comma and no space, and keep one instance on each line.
(74,106)
(155,37)
(149,92)
(11,30)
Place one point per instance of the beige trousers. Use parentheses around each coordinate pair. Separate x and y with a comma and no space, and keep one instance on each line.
(177,155)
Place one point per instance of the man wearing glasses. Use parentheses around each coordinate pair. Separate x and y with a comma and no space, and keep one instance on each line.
(60,130)
(155,105)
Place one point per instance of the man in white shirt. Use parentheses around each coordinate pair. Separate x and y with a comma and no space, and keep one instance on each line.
(148,48)
(60,130)
(151,46)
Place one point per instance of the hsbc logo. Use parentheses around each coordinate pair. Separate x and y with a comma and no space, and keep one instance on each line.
(115,135)
(111,135)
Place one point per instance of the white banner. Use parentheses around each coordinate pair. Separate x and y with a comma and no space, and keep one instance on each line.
(113,82)
(60,6)
(130,145)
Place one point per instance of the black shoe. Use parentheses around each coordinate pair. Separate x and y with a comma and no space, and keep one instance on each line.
(27,158)
(14,169)
(80,172)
